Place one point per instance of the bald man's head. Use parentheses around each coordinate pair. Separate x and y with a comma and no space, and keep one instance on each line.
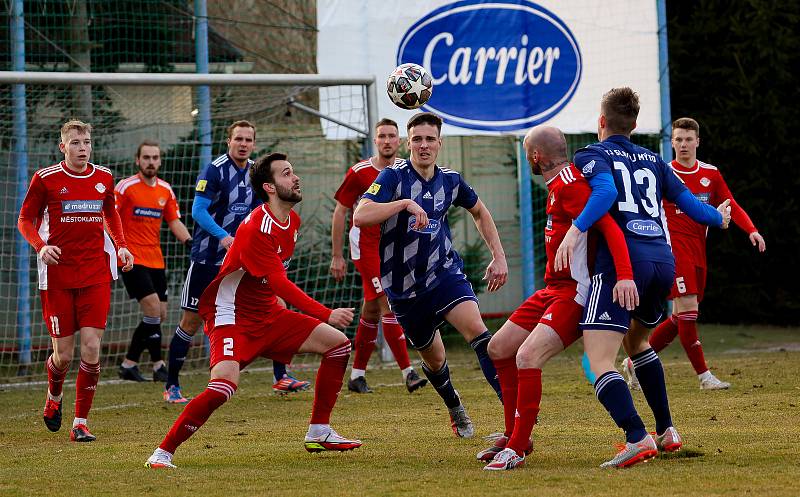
(545,148)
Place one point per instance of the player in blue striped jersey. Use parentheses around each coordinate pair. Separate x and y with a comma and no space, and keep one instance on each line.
(629,182)
(223,198)
(421,273)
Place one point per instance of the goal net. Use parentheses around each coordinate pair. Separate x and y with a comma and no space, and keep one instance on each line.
(123,113)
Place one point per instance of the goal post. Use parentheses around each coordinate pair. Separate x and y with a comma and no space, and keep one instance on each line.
(324,123)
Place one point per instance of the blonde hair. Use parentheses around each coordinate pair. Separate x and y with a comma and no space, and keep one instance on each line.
(79,126)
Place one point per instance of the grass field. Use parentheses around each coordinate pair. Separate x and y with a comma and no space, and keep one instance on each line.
(745,441)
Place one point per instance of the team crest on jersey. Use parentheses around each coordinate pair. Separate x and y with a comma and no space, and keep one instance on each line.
(373,189)
(100,187)
(705,181)
(201,185)
(162,201)
(587,169)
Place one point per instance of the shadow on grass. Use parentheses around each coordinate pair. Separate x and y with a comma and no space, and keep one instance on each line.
(683,454)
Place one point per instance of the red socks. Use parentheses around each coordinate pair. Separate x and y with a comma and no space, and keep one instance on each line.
(55,377)
(529,395)
(329,382)
(366,335)
(197,412)
(393,333)
(507,376)
(664,334)
(85,387)
(687,330)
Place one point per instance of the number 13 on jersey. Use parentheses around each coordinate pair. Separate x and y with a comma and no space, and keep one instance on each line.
(642,177)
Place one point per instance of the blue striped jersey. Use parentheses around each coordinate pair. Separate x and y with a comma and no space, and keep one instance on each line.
(232,198)
(413,262)
(642,179)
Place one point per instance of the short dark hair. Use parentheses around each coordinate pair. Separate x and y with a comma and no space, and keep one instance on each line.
(688,124)
(621,108)
(241,124)
(424,118)
(386,122)
(147,143)
(261,172)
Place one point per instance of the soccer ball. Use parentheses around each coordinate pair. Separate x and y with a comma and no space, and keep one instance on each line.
(409,86)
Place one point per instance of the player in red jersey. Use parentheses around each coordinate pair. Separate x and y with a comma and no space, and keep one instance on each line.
(245,320)
(143,200)
(688,240)
(547,322)
(364,244)
(62,217)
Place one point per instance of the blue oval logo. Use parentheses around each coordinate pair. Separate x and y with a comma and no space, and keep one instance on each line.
(239,208)
(499,66)
(432,228)
(646,227)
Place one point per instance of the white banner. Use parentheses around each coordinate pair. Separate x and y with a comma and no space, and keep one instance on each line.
(499,66)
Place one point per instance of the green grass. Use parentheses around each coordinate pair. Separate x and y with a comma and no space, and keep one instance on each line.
(738,442)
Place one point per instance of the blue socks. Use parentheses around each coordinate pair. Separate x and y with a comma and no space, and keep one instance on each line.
(651,377)
(479,345)
(178,350)
(278,370)
(613,393)
(444,387)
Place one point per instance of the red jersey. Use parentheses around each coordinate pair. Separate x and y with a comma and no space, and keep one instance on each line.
(253,274)
(141,208)
(567,195)
(67,209)
(364,240)
(706,183)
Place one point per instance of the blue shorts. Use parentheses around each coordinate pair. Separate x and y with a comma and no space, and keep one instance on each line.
(198,278)
(422,315)
(653,282)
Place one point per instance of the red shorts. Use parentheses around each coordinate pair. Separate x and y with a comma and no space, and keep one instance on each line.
(65,311)
(278,338)
(370,270)
(556,309)
(690,278)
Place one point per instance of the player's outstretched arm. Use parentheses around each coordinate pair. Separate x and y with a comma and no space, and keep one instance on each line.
(497,271)
(338,264)
(624,292)
(369,213)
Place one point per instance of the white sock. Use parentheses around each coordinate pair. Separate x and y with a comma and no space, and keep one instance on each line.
(316,430)
(158,365)
(705,376)
(355,373)
(78,421)
(406,371)
(54,397)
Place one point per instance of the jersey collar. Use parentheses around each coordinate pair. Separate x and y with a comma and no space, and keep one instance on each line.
(275,219)
(678,167)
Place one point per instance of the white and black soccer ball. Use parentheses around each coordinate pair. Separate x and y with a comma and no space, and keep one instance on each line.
(409,86)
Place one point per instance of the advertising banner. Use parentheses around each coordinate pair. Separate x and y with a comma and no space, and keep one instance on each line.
(499,66)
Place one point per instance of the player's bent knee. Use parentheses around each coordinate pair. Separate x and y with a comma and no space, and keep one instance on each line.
(226,370)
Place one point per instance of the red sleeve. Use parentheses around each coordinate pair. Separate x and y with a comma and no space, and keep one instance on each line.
(347,193)
(32,208)
(112,218)
(616,244)
(260,258)
(738,215)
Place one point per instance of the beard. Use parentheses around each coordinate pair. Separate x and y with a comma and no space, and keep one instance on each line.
(148,172)
(288,194)
(387,156)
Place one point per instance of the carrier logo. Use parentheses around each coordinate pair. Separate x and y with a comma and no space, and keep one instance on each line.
(81,206)
(239,208)
(518,62)
(432,228)
(147,212)
(646,227)
(703,197)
